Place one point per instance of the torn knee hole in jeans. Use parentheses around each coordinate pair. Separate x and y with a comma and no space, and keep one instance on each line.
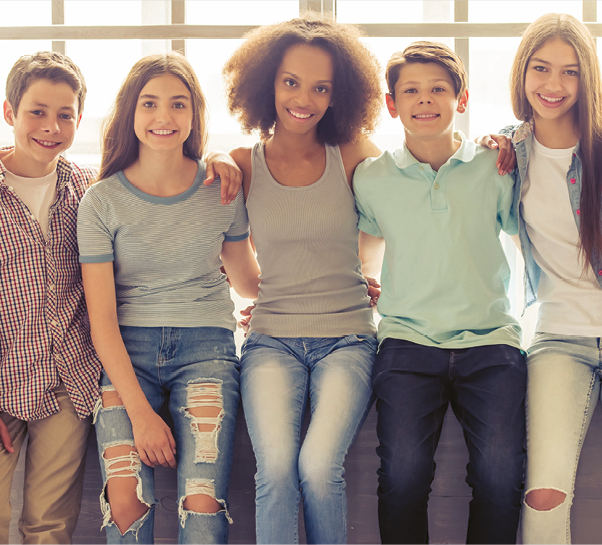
(121,459)
(202,487)
(108,400)
(205,408)
(545,499)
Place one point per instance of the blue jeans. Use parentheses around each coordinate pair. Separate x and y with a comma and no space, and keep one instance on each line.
(562,391)
(485,385)
(276,377)
(198,367)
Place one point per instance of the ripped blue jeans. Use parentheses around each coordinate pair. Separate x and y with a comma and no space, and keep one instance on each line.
(198,367)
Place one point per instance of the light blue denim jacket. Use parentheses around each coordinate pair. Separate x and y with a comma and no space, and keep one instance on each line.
(522,138)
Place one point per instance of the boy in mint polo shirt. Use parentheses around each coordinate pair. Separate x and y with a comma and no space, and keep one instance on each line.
(446,335)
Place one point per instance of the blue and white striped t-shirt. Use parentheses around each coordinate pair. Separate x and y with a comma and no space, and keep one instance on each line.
(166,250)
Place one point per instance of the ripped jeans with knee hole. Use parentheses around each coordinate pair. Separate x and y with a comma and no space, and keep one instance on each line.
(199,369)
(563,387)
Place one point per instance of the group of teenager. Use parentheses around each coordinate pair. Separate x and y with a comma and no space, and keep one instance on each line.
(327,211)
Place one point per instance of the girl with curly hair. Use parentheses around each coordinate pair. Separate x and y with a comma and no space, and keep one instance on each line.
(312,90)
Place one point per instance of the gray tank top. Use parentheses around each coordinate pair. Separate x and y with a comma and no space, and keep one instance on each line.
(307,248)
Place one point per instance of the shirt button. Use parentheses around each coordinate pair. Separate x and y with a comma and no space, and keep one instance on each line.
(10,188)
(599,273)
(32,217)
(436,186)
(578,212)
(421,168)
(573,180)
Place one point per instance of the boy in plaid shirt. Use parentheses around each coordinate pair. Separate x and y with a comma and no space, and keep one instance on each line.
(49,371)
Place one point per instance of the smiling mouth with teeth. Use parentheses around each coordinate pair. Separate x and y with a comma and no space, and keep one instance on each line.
(426,116)
(550,99)
(162,132)
(47,143)
(298,115)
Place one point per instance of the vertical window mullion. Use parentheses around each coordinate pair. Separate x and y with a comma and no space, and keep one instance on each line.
(324,7)
(461,45)
(178,17)
(58,18)
(590,12)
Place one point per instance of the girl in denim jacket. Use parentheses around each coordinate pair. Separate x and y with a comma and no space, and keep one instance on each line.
(556,89)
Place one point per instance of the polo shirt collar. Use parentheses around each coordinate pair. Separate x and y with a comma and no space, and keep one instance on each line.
(466,152)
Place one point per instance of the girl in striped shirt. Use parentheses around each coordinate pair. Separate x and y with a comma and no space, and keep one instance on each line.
(152,239)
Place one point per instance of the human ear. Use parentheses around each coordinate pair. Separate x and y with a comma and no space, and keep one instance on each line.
(9,114)
(463,102)
(391,105)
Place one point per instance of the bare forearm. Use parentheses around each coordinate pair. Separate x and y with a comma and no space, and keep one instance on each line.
(371,252)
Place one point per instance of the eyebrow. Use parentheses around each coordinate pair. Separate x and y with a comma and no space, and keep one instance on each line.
(42,105)
(431,81)
(296,76)
(176,97)
(537,59)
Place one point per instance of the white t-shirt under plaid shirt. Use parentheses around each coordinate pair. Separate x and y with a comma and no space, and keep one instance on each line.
(166,250)
(44,329)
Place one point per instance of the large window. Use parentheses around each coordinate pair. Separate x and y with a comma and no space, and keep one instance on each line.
(105,37)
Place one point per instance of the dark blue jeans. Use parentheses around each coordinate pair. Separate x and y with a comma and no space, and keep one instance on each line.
(486,388)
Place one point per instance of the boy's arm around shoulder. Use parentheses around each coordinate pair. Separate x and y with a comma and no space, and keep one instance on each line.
(83,177)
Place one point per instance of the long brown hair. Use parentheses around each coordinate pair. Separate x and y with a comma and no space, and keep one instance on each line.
(357,97)
(120,144)
(589,114)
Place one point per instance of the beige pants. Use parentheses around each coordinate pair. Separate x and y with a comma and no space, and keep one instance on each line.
(54,471)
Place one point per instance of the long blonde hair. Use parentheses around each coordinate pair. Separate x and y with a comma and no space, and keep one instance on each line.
(120,143)
(589,113)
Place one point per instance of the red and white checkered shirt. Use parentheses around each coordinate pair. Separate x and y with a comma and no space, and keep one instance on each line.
(44,328)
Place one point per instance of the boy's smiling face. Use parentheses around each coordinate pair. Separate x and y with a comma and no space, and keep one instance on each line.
(425,100)
(44,127)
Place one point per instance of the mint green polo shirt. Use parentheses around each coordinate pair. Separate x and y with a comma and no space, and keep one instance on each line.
(445,274)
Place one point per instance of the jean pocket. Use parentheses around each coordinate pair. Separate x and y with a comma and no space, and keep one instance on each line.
(251,339)
(367,340)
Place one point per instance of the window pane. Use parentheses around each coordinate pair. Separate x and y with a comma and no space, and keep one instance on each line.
(11,51)
(519,11)
(240,12)
(105,64)
(489,91)
(32,13)
(105,12)
(208,61)
(385,11)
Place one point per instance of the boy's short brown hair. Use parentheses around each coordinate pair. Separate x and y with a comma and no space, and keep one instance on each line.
(425,52)
(44,65)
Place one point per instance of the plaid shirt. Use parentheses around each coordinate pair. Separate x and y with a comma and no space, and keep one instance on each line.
(44,329)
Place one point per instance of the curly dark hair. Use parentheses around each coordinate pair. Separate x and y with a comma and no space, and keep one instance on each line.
(357,96)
